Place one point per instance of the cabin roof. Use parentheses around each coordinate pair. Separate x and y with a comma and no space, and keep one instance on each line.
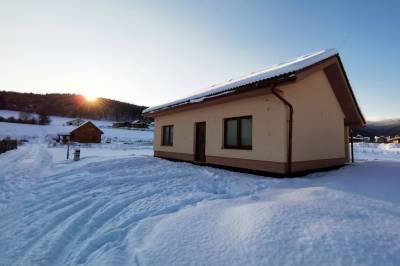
(88,123)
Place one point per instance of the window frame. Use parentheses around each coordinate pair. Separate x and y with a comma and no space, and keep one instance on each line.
(170,141)
(239,145)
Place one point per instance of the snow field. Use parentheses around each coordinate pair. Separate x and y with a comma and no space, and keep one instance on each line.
(119,205)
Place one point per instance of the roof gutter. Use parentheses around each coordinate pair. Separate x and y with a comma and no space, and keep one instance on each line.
(290,129)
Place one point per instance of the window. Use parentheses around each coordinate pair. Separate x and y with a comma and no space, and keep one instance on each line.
(238,133)
(167,135)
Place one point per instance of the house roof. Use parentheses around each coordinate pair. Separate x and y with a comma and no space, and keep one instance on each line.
(327,60)
(229,86)
(88,123)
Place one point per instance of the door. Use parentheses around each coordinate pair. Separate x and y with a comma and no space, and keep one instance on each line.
(200,145)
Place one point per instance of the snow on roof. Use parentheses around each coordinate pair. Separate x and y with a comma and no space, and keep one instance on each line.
(87,122)
(63,133)
(270,72)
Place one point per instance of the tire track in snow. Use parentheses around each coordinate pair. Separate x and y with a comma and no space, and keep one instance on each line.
(95,206)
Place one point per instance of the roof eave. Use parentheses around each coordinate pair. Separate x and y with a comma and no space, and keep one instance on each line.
(261,84)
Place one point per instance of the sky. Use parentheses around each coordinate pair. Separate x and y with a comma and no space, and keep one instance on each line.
(152,52)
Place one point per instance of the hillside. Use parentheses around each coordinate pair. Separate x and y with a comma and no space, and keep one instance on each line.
(69,105)
(389,127)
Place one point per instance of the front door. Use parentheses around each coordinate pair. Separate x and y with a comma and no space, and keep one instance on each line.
(200,145)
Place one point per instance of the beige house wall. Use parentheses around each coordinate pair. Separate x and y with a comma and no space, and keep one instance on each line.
(318,120)
(318,129)
(268,134)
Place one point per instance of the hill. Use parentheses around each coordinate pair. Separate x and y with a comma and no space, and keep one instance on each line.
(69,105)
(389,127)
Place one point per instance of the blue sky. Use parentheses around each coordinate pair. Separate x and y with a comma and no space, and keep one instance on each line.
(150,52)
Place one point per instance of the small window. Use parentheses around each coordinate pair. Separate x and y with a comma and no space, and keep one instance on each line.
(167,135)
(238,133)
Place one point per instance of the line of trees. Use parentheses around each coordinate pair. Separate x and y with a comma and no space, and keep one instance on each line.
(27,118)
(70,105)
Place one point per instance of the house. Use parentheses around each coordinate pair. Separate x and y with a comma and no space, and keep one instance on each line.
(121,124)
(381,139)
(395,140)
(140,124)
(86,133)
(75,122)
(268,121)
(358,138)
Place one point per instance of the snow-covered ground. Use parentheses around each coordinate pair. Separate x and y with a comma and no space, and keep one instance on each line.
(119,205)
(45,133)
(55,120)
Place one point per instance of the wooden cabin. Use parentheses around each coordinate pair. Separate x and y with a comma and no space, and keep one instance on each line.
(85,133)
(267,121)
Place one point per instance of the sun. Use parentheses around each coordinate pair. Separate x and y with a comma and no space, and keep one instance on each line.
(90,97)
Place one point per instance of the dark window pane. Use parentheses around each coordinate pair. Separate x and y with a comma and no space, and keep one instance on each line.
(167,135)
(164,142)
(231,132)
(246,131)
(171,135)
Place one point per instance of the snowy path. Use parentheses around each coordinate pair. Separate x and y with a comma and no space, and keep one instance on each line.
(131,209)
(21,168)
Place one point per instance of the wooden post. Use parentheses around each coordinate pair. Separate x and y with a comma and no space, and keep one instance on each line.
(352,146)
(68,150)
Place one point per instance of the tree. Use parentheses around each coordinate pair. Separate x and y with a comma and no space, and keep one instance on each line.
(25,117)
(44,119)
(11,119)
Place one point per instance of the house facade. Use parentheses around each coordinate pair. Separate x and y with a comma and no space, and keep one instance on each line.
(271,122)
(395,140)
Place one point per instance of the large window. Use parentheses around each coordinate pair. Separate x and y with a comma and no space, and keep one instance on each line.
(167,135)
(238,132)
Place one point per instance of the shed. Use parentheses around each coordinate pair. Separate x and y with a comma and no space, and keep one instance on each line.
(269,121)
(86,133)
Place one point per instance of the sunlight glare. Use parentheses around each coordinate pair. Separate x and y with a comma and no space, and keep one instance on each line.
(90,97)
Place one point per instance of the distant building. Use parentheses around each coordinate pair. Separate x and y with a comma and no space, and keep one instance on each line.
(395,140)
(358,138)
(86,133)
(381,139)
(134,124)
(140,124)
(121,124)
(76,122)
(367,139)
